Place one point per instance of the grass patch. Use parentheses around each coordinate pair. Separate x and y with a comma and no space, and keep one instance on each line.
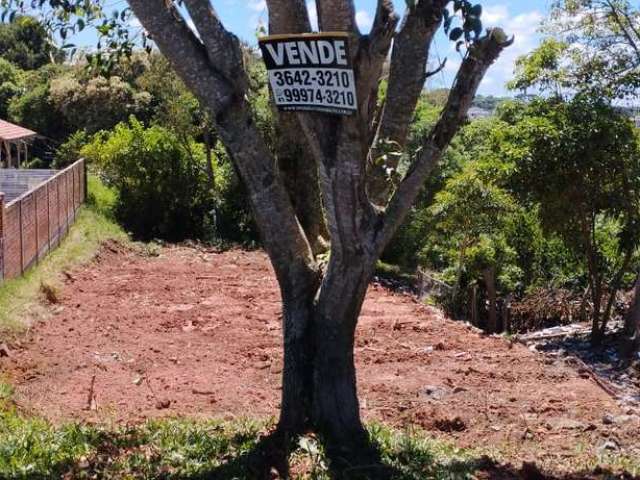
(178,448)
(94,225)
(188,449)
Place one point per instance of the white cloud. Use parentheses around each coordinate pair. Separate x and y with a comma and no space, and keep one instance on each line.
(364,20)
(524,28)
(495,15)
(258,5)
(313,14)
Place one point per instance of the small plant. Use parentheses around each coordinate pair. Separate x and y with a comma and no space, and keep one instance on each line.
(50,293)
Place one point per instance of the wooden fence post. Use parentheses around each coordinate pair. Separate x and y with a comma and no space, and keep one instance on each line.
(20,224)
(35,216)
(85,175)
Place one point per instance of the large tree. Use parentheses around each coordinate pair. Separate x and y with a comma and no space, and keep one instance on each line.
(321,304)
(591,45)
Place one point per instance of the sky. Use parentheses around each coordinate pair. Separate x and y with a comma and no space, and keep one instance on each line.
(520,18)
(517,17)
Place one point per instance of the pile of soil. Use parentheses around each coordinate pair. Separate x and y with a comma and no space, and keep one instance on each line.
(197,332)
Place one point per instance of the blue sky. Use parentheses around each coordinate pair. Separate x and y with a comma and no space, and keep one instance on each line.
(518,17)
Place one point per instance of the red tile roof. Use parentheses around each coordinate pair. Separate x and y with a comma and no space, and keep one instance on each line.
(9,132)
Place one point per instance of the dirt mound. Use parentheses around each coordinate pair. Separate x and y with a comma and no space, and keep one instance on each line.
(198,333)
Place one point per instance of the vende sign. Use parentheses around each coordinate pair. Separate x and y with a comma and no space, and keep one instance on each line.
(310,72)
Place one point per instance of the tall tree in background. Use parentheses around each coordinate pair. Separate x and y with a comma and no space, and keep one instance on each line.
(593,49)
(321,305)
(592,45)
(26,43)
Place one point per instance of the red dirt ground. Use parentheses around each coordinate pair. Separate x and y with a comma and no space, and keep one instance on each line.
(194,332)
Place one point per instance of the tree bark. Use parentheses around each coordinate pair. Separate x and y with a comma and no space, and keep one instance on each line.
(336,409)
(490,283)
(320,313)
(298,167)
(632,323)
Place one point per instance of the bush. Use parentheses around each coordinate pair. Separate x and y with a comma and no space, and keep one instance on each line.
(71,150)
(9,85)
(98,104)
(162,186)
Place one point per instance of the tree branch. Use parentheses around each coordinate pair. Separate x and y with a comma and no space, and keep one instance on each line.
(337,16)
(295,159)
(222,47)
(288,16)
(406,81)
(372,55)
(172,35)
(473,69)
(282,235)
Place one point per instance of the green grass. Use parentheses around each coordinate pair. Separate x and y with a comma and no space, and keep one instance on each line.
(179,448)
(31,448)
(94,225)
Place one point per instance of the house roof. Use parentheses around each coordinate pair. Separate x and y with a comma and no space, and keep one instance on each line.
(10,132)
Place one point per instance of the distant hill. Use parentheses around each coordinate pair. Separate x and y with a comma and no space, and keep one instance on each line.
(483,105)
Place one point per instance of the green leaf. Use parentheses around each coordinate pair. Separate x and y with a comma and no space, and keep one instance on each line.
(455,34)
(476,10)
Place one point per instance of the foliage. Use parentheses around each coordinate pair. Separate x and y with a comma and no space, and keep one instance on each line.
(26,43)
(593,46)
(579,162)
(9,85)
(98,104)
(71,150)
(161,183)
(544,67)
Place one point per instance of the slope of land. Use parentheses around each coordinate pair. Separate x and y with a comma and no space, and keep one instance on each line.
(194,332)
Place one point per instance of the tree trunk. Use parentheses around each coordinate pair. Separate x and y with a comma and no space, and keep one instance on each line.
(297,373)
(319,375)
(336,410)
(632,323)
(208,144)
(597,335)
(490,283)
(300,174)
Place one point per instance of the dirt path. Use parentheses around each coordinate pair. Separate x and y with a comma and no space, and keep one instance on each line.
(191,332)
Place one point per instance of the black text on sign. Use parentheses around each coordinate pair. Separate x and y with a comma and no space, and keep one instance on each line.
(310,72)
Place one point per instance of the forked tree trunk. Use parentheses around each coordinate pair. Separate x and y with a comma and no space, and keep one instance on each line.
(319,379)
(319,376)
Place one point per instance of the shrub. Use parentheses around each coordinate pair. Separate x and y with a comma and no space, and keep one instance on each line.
(162,186)
(99,104)
(71,150)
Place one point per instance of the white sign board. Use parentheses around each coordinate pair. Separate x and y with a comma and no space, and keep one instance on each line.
(310,72)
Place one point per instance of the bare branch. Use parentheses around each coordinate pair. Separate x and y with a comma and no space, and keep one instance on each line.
(437,70)
(288,16)
(406,81)
(337,16)
(223,48)
(172,35)
(372,55)
(473,69)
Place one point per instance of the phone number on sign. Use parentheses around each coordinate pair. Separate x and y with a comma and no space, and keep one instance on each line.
(312,78)
(336,98)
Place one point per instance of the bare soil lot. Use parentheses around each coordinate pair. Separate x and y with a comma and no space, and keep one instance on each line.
(195,332)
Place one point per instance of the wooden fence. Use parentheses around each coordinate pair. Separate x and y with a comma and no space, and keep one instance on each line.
(35,222)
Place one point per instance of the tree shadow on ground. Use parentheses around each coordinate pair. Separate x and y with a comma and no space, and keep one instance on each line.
(269,458)
(607,361)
